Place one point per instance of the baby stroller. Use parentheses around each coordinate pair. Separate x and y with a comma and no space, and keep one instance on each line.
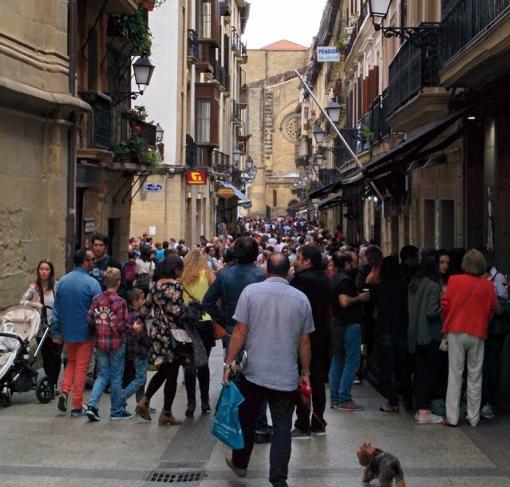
(18,326)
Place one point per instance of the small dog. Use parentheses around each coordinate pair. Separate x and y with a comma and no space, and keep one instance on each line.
(380,465)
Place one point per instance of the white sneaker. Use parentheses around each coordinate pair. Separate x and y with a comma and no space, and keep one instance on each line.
(429,419)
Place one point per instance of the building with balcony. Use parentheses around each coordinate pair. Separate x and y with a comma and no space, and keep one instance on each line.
(274,124)
(115,142)
(39,114)
(198,102)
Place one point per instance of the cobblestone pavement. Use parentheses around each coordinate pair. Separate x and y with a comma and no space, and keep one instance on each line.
(40,448)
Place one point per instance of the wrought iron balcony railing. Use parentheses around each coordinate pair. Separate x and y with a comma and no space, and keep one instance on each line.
(463,20)
(412,70)
(191,151)
(357,28)
(192,45)
(220,162)
(221,75)
(99,132)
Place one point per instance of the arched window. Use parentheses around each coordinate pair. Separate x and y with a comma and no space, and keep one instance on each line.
(275,198)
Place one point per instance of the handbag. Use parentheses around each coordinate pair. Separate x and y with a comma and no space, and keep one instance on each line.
(226,425)
(443,346)
(219,331)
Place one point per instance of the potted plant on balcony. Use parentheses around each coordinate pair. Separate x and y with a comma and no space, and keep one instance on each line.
(136,151)
(137,118)
(132,28)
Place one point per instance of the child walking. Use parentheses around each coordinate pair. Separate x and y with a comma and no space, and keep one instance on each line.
(137,346)
(108,317)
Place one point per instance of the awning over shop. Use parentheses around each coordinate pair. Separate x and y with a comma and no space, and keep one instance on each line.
(298,206)
(415,148)
(325,190)
(330,201)
(243,199)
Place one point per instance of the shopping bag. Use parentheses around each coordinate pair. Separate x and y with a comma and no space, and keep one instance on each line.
(226,424)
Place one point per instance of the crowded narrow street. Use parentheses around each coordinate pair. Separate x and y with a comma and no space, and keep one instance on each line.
(254,242)
(41,448)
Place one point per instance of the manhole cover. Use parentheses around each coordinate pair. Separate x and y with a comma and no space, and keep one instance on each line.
(175,477)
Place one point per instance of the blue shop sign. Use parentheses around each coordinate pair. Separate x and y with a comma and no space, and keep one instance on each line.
(153,187)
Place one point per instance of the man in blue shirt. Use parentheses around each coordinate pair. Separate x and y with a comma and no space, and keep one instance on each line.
(230,283)
(70,326)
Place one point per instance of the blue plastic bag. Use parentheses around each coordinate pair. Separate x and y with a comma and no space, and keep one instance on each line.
(226,424)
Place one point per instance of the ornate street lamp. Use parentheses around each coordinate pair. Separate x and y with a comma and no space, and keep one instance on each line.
(160,132)
(143,69)
(249,164)
(319,134)
(379,9)
(334,109)
(236,157)
(424,35)
(319,158)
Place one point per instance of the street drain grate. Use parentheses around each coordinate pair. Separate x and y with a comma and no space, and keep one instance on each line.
(174,478)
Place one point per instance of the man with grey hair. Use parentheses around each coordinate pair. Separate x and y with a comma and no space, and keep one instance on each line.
(274,336)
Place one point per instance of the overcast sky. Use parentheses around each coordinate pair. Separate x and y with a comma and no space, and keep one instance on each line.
(273,20)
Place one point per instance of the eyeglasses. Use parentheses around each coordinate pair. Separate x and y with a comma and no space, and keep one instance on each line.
(91,259)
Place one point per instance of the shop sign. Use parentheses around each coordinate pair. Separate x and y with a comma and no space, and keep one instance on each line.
(152,187)
(196,178)
(226,193)
(328,54)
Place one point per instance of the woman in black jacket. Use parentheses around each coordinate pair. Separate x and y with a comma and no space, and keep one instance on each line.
(390,297)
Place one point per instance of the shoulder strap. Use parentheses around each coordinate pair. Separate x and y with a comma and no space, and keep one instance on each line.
(189,294)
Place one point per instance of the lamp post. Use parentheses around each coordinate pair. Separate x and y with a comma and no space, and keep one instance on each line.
(424,35)
(334,109)
(319,134)
(236,157)
(160,132)
(143,70)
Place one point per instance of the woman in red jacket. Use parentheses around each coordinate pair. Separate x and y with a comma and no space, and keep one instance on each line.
(468,305)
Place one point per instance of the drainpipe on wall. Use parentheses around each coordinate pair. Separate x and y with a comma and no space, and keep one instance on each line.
(71,139)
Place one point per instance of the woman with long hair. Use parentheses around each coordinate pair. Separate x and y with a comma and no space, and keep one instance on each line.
(171,344)
(196,279)
(444,262)
(41,296)
(424,335)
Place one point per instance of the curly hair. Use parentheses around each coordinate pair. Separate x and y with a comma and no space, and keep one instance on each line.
(194,265)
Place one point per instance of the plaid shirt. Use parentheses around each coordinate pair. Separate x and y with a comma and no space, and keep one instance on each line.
(108,317)
(136,345)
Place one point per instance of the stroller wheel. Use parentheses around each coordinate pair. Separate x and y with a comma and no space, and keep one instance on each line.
(44,390)
(5,398)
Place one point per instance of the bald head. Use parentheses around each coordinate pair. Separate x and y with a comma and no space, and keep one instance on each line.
(278,265)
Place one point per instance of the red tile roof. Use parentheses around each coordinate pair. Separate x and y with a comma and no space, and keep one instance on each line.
(284,45)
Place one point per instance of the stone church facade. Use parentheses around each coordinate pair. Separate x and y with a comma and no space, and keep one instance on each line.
(274,124)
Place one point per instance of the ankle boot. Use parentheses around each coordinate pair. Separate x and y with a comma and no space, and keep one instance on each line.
(142,409)
(190,410)
(166,418)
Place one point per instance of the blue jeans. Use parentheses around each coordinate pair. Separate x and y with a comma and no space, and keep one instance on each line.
(140,362)
(111,368)
(345,364)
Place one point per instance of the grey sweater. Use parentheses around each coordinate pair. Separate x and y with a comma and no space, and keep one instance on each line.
(424,314)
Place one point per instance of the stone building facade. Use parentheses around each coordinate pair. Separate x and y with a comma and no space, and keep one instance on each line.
(274,125)
(200,100)
(38,114)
